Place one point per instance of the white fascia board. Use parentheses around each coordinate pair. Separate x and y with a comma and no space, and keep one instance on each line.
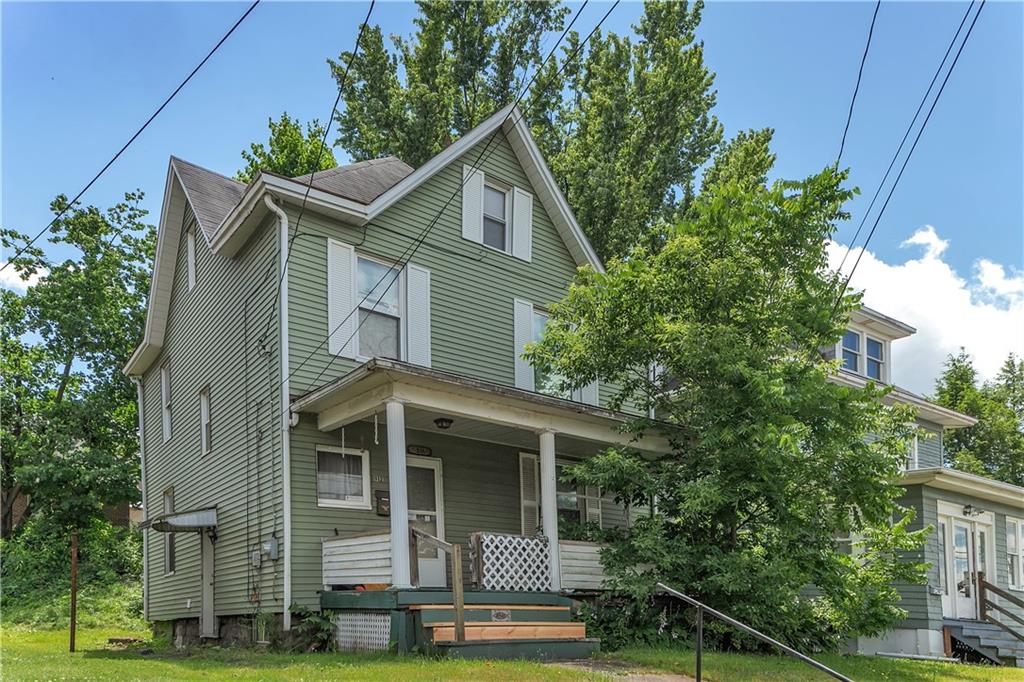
(943,478)
(162,281)
(925,409)
(532,160)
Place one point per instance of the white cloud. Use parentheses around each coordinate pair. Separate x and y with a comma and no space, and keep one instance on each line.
(10,279)
(983,313)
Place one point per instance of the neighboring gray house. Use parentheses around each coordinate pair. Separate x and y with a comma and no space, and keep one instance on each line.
(978,522)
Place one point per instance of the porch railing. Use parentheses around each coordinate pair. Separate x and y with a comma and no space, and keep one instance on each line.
(356,559)
(580,564)
(419,538)
(986,607)
(501,561)
(703,608)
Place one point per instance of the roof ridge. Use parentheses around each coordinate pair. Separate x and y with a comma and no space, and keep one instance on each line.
(207,170)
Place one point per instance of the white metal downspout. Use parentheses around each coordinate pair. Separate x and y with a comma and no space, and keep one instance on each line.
(145,506)
(286,459)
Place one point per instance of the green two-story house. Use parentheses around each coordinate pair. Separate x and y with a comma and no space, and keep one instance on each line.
(325,391)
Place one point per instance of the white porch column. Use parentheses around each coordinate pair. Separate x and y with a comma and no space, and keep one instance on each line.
(400,575)
(549,504)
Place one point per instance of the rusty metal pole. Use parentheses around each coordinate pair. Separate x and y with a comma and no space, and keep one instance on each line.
(74,588)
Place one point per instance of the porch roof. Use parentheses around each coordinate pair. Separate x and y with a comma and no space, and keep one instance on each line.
(195,520)
(361,392)
(952,480)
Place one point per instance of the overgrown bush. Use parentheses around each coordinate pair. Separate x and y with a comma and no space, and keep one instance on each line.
(313,631)
(35,575)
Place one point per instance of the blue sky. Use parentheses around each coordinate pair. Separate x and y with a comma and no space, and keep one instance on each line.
(79,78)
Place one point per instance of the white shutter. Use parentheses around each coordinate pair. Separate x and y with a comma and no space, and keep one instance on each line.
(593,504)
(417,301)
(342,320)
(589,393)
(522,224)
(522,322)
(529,493)
(472,204)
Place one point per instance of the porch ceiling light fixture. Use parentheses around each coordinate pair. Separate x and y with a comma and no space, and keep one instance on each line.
(971,510)
(443,423)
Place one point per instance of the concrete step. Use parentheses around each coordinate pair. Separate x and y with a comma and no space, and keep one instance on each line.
(445,632)
(530,649)
(492,613)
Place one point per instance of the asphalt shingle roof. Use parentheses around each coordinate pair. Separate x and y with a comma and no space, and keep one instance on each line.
(212,195)
(363,181)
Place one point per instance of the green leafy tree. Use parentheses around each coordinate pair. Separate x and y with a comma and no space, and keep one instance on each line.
(717,334)
(68,413)
(624,125)
(289,151)
(993,447)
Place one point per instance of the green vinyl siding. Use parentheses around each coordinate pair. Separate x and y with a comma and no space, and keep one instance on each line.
(205,345)
(472,286)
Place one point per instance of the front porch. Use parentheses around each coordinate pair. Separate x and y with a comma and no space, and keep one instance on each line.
(440,461)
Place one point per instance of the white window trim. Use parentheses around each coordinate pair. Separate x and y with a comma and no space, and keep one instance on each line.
(507,190)
(165,400)
(170,546)
(581,496)
(403,311)
(190,247)
(862,355)
(205,422)
(364,503)
(912,456)
(1016,583)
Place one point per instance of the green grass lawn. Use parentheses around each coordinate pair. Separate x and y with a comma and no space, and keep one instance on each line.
(43,655)
(728,667)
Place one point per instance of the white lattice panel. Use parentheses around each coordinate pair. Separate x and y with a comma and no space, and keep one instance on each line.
(513,562)
(363,630)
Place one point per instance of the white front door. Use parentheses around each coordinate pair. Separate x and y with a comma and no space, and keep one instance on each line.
(426,512)
(965,549)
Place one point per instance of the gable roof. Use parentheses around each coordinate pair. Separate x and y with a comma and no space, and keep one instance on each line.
(229,212)
(211,195)
(363,181)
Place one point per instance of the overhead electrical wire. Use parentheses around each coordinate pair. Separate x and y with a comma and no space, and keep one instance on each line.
(856,88)
(132,139)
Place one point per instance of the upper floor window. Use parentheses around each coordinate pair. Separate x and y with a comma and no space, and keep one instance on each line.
(864,355)
(205,422)
(496,217)
(1015,552)
(851,351)
(912,462)
(165,399)
(496,213)
(545,381)
(380,309)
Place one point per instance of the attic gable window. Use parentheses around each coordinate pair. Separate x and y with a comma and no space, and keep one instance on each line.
(864,355)
(496,217)
(190,248)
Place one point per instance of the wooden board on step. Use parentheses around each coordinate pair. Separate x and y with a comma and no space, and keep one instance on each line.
(445,632)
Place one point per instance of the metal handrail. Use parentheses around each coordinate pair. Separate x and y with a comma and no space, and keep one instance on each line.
(702,607)
(454,550)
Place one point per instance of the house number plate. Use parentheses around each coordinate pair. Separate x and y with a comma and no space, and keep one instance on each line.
(501,615)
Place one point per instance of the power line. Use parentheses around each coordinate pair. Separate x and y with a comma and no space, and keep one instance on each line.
(138,132)
(856,88)
(906,135)
(319,154)
(910,153)
(414,246)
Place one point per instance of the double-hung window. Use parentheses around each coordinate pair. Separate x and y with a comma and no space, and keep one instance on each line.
(545,381)
(851,351)
(873,364)
(380,309)
(496,205)
(342,477)
(576,505)
(169,550)
(912,454)
(205,422)
(1015,552)
(165,400)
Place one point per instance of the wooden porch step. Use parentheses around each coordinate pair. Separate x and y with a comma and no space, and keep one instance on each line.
(517,649)
(492,607)
(525,630)
(492,613)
